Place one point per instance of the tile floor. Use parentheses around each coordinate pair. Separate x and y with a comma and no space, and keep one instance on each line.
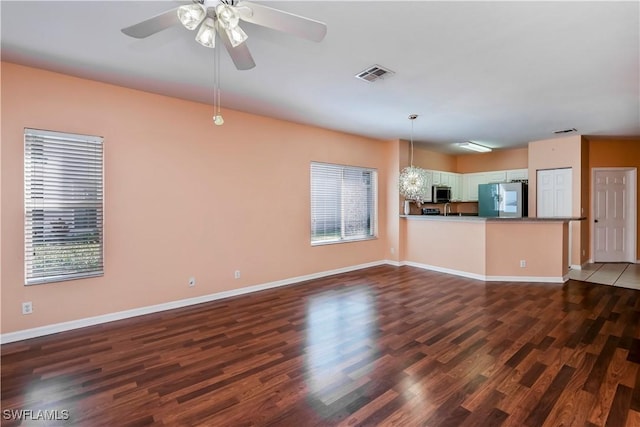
(616,274)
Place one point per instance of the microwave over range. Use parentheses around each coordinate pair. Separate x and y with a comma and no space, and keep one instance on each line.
(440,194)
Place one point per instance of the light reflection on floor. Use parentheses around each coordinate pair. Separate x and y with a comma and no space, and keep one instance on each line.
(341,336)
(34,412)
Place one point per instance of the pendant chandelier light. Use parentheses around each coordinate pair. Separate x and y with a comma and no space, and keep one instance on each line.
(414,184)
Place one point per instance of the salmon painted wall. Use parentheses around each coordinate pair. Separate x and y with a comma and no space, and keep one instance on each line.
(437,243)
(616,152)
(517,158)
(182,197)
(491,248)
(545,251)
(428,159)
(554,154)
(396,155)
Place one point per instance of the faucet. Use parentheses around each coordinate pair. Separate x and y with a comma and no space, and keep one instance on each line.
(447,209)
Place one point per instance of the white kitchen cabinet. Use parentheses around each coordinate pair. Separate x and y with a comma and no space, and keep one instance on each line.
(465,186)
(495,176)
(437,177)
(450,179)
(455,182)
(429,178)
(517,174)
(447,179)
(471,182)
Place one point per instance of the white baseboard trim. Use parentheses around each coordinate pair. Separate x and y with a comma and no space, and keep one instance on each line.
(593,262)
(110,317)
(536,279)
(446,270)
(485,278)
(105,318)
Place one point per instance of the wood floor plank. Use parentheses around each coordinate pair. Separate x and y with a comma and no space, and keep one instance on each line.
(379,346)
(619,407)
(549,398)
(633,419)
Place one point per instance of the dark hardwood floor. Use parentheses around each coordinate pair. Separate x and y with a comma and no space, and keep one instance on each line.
(381,346)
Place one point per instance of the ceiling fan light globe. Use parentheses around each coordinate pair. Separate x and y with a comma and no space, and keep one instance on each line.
(207,33)
(218,120)
(244,12)
(191,15)
(236,36)
(228,16)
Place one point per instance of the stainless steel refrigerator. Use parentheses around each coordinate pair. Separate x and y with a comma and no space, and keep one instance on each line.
(503,200)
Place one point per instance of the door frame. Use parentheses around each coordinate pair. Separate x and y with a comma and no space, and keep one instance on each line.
(632,210)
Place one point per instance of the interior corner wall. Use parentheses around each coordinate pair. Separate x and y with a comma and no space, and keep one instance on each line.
(617,152)
(183,198)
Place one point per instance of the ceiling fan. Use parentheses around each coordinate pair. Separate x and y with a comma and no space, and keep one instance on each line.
(223,17)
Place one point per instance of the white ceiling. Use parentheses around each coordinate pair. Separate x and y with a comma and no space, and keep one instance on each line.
(499,73)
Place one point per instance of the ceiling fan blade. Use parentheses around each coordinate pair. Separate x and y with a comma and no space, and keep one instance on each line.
(240,54)
(153,25)
(282,21)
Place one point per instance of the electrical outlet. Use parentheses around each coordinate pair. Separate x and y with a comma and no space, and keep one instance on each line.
(237,274)
(584,252)
(192,282)
(27,307)
(393,251)
(523,263)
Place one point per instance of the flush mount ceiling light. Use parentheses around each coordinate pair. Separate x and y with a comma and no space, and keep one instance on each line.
(468,145)
(413,182)
(223,17)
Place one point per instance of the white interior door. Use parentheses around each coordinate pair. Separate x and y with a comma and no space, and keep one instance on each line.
(554,193)
(613,228)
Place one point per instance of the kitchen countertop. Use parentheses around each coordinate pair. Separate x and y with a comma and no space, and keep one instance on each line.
(470,218)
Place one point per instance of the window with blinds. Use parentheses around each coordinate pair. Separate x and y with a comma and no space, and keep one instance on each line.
(63,198)
(343,203)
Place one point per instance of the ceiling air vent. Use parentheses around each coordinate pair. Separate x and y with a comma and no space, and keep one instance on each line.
(374,73)
(565,131)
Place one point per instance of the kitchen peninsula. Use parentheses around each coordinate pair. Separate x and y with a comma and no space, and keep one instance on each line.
(490,249)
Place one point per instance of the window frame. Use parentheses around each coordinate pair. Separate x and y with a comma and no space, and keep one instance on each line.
(63,206)
(372,212)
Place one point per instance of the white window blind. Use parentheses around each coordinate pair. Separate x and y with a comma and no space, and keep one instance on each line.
(343,203)
(63,194)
